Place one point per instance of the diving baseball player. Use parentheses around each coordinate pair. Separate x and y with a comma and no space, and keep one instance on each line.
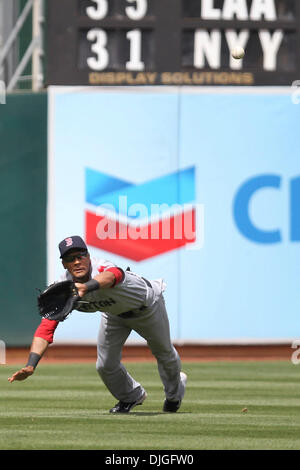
(127,302)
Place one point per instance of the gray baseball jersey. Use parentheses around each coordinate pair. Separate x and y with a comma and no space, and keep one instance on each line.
(132,293)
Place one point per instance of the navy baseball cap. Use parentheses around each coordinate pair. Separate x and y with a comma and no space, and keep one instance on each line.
(71,243)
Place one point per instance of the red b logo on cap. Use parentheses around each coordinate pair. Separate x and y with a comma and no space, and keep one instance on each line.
(69,242)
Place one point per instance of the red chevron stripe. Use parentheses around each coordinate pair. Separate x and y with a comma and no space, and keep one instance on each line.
(121,242)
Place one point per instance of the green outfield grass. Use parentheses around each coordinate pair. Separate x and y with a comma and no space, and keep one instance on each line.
(66,407)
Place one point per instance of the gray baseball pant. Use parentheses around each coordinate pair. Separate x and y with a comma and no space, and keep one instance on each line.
(153,325)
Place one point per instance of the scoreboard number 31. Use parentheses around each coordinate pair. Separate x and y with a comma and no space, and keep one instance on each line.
(101,61)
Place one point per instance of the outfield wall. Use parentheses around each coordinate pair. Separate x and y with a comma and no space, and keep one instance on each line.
(228,158)
(23,192)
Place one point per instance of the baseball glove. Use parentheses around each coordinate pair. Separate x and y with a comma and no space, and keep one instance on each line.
(58,300)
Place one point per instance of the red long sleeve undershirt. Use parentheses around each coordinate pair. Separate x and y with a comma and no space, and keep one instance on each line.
(47,327)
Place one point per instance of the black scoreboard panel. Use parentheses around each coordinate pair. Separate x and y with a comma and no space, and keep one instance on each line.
(172,42)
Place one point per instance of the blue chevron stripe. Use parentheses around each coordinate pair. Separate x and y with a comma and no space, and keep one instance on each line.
(175,188)
(98,183)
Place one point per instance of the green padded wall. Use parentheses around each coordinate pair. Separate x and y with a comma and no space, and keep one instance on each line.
(23,199)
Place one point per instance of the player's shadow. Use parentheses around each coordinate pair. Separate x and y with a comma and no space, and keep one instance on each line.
(145,413)
(155,413)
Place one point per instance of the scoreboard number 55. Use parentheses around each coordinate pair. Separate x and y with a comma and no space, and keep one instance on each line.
(134,12)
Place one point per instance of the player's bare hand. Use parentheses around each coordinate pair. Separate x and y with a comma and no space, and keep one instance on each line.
(22,374)
(82,289)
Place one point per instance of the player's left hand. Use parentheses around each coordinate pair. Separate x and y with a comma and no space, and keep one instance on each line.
(22,374)
(82,289)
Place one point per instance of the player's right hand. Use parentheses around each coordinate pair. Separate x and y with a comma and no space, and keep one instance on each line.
(21,374)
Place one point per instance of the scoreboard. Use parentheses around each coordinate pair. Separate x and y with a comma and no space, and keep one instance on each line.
(172,42)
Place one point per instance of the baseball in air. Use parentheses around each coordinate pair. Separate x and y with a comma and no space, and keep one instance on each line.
(238,53)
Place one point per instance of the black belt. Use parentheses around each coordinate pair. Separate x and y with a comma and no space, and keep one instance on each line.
(135,313)
(132,313)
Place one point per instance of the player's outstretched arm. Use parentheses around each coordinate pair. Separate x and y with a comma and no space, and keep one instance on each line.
(37,350)
(103,280)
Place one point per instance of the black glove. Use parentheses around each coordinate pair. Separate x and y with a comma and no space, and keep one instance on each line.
(58,300)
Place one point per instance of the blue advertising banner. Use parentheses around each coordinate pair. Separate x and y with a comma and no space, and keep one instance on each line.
(200,187)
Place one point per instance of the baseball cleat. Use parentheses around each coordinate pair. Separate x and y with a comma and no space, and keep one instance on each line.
(173,406)
(123,407)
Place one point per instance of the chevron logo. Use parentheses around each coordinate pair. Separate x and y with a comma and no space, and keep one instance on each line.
(140,221)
